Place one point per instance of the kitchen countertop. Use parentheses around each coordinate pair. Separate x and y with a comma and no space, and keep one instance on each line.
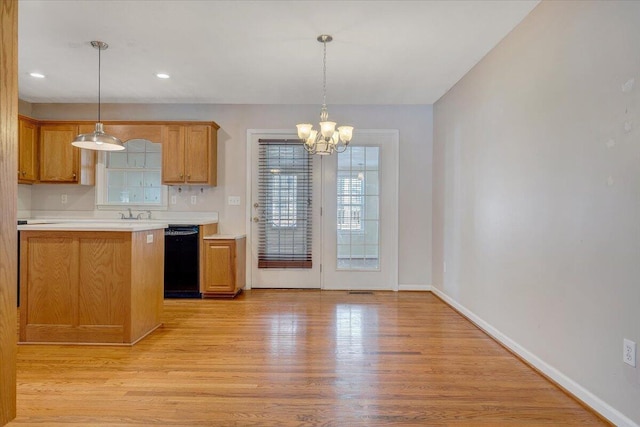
(188,221)
(129,226)
(224,237)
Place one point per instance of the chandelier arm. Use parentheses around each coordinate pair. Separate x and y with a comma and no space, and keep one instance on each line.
(343,149)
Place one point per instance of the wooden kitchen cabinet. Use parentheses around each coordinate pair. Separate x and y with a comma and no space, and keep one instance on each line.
(128,131)
(90,286)
(61,162)
(224,267)
(27,151)
(189,154)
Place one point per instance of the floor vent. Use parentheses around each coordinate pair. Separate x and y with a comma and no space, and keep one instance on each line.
(360,293)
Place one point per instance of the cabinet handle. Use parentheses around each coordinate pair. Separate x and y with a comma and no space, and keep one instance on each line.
(24,173)
(188,176)
(74,175)
(181,176)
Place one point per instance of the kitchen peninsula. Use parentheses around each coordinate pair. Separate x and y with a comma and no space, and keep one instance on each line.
(90,282)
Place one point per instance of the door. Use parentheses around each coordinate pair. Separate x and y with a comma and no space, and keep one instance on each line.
(356,236)
(360,221)
(284,212)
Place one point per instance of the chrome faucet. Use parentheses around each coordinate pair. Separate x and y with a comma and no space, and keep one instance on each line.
(139,216)
(127,217)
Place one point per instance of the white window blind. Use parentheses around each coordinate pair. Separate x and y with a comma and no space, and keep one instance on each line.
(284,195)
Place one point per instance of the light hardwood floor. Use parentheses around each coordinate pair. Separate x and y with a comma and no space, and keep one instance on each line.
(294,358)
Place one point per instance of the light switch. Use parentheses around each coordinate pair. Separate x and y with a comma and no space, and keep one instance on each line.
(149,238)
(234,200)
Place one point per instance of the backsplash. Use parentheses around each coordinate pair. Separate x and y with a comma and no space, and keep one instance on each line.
(79,200)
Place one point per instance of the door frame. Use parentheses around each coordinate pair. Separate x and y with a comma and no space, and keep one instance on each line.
(251,133)
(393,133)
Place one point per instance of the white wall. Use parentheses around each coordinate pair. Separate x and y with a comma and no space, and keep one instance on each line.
(415,124)
(537,194)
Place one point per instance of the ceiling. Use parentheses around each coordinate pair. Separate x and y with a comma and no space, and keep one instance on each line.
(256,52)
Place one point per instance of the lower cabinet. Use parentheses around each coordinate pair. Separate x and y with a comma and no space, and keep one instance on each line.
(224,267)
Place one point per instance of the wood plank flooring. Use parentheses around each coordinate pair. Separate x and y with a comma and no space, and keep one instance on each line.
(294,358)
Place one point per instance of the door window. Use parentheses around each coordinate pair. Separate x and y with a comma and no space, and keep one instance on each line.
(358,206)
(285,228)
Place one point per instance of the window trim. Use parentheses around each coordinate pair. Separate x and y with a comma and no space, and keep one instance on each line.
(101,191)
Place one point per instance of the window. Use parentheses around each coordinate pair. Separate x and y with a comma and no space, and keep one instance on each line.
(132,177)
(283,209)
(284,188)
(358,203)
(350,202)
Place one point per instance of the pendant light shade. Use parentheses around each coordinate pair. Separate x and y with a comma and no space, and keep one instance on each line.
(98,140)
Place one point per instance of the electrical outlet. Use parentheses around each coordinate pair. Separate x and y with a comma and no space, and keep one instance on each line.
(174,200)
(629,352)
(63,199)
(194,200)
(234,200)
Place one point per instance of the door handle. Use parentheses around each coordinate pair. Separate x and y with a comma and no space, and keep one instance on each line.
(256,219)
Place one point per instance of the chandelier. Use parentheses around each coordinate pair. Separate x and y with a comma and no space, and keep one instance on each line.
(328,140)
(98,140)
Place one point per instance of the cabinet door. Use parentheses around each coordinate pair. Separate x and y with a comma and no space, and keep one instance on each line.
(219,266)
(59,159)
(128,132)
(27,151)
(197,154)
(173,155)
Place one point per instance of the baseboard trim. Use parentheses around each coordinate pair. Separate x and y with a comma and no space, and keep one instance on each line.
(409,287)
(596,404)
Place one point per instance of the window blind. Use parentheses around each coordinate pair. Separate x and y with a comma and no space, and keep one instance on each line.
(284,196)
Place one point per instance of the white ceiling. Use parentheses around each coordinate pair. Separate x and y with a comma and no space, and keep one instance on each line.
(256,52)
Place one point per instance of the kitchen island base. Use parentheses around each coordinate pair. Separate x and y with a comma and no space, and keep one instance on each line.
(90,287)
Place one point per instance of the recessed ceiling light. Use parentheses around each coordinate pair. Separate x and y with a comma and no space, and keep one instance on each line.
(163,75)
(37,75)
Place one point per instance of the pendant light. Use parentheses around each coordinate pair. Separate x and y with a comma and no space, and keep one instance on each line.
(328,140)
(98,140)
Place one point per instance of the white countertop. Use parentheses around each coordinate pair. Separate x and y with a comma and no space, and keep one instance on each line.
(128,226)
(224,236)
(188,221)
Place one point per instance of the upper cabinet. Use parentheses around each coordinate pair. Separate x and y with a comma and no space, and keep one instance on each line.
(27,151)
(189,154)
(61,162)
(126,132)
(189,150)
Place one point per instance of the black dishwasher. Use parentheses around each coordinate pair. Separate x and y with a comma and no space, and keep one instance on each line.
(181,262)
